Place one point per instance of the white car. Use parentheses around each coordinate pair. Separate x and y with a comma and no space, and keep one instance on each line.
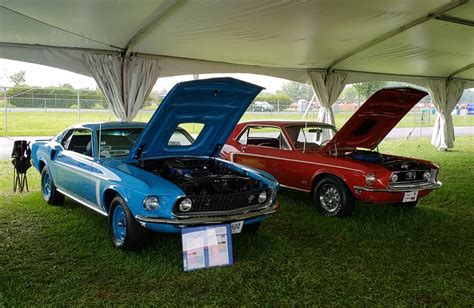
(262,106)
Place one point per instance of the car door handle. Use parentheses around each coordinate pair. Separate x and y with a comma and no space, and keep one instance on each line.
(60,155)
(243,149)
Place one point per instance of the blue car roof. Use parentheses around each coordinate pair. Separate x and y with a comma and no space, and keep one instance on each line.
(109,125)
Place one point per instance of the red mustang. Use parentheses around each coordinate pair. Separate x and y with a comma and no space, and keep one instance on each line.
(338,167)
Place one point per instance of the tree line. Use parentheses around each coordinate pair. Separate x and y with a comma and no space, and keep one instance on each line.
(65,96)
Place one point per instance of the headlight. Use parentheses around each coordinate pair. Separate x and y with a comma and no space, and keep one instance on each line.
(427,175)
(370,179)
(150,203)
(394,178)
(262,197)
(185,205)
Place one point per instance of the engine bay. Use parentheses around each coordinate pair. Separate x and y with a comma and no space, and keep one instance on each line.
(392,163)
(202,176)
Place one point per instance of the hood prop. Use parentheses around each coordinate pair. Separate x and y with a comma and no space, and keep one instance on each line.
(214,152)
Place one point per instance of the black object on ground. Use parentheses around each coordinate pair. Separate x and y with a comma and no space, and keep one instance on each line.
(21,155)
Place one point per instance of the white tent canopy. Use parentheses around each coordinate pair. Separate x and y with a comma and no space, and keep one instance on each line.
(400,40)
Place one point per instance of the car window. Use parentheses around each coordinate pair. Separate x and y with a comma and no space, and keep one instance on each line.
(182,137)
(310,136)
(79,141)
(117,142)
(264,136)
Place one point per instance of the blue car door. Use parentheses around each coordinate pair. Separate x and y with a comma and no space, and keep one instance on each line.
(74,165)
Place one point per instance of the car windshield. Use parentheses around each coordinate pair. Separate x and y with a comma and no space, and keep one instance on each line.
(310,136)
(119,142)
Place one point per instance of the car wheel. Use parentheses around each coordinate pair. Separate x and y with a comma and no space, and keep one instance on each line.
(251,228)
(125,232)
(48,189)
(333,198)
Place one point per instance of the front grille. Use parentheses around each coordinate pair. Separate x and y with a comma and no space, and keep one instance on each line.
(222,203)
(409,176)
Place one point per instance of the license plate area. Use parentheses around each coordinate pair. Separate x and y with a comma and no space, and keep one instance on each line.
(236,227)
(410,196)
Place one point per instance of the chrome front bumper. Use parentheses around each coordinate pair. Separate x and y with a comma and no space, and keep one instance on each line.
(207,220)
(402,188)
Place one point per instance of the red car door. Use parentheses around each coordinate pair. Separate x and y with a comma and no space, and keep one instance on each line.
(265,148)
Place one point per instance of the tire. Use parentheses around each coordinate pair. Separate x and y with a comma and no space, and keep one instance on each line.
(333,198)
(48,189)
(125,232)
(251,228)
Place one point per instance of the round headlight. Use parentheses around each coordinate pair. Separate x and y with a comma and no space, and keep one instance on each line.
(150,203)
(427,175)
(262,197)
(370,179)
(394,178)
(185,205)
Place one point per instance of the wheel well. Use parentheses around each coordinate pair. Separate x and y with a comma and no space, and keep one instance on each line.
(109,195)
(322,175)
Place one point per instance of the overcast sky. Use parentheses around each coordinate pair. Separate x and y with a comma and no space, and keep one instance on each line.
(45,76)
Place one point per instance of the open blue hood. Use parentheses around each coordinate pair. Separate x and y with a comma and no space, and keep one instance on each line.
(217,103)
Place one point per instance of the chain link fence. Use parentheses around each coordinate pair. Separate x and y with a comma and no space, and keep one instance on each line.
(45,112)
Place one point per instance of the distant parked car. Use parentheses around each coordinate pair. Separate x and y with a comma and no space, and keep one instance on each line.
(338,168)
(262,106)
(156,176)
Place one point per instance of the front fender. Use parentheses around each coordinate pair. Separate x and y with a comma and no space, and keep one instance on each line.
(350,178)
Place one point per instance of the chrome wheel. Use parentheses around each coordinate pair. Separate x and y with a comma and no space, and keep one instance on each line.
(46,185)
(329,197)
(48,189)
(119,225)
(124,231)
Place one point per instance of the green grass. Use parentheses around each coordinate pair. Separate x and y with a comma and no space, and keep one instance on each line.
(50,123)
(382,255)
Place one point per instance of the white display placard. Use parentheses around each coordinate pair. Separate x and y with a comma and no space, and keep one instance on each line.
(206,246)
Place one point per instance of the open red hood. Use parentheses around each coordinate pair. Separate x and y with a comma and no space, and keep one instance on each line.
(375,118)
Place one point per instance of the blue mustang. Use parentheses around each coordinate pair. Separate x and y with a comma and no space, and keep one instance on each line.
(156,176)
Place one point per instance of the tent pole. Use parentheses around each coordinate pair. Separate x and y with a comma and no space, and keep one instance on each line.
(456,20)
(433,14)
(150,25)
(459,71)
(39,46)
(57,28)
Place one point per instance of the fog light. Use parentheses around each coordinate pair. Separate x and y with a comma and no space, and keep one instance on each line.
(185,205)
(394,178)
(262,197)
(427,175)
(370,179)
(150,203)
